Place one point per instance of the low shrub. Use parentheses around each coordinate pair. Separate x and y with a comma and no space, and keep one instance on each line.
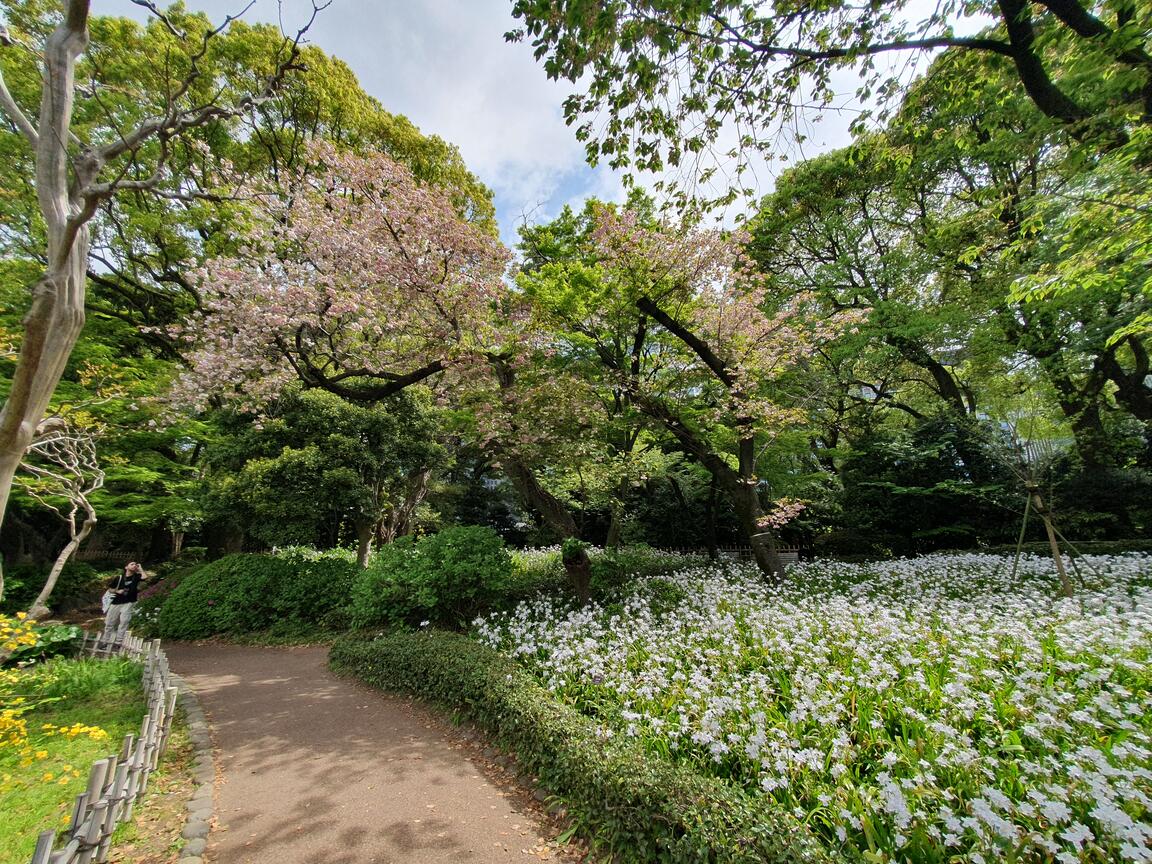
(639,807)
(244,593)
(534,571)
(320,583)
(153,597)
(377,594)
(613,569)
(447,577)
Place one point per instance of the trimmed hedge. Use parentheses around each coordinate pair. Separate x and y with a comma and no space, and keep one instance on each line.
(243,593)
(639,807)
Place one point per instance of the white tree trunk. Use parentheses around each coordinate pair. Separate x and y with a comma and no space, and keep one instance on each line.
(56,317)
(39,608)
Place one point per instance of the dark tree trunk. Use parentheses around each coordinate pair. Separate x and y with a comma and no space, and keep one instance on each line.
(1133,392)
(739,486)
(713,551)
(365,531)
(552,510)
(1081,404)
(945,383)
(612,541)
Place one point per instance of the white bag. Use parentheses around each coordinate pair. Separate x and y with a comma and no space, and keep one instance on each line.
(106,600)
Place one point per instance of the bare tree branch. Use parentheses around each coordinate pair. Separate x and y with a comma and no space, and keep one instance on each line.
(61,471)
(9,107)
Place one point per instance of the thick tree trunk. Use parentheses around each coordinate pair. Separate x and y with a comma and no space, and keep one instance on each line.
(612,541)
(552,510)
(365,531)
(739,485)
(616,521)
(1133,392)
(947,387)
(710,538)
(56,316)
(1080,403)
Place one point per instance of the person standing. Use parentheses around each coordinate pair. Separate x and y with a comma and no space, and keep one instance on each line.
(125,590)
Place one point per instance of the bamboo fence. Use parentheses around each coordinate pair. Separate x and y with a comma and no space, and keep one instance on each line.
(117,782)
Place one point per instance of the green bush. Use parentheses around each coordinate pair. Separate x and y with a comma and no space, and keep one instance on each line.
(640,808)
(321,583)
(613,569)
(244,593)
(536,571)
(377,594)
(153,597)
(447,578)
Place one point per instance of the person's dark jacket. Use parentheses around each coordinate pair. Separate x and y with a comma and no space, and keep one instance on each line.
(126,588)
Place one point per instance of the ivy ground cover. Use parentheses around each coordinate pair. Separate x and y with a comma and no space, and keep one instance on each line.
(928,710)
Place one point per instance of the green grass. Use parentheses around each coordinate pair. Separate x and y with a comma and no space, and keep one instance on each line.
(38,795)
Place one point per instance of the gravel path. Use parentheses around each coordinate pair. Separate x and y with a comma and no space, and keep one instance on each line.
(314,769)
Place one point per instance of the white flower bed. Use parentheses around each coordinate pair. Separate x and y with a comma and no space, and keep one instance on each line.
(920,710)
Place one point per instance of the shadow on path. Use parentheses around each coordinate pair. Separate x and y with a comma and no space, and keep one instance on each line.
(319,770)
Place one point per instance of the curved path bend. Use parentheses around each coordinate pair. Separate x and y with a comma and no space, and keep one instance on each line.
(315,769)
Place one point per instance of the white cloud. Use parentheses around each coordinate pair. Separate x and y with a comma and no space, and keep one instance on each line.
(445,64)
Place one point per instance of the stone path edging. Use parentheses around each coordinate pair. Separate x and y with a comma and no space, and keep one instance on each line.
(200,805)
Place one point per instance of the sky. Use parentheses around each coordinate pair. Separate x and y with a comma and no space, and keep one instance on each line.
(446,66)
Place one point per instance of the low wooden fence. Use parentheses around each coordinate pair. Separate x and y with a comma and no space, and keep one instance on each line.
(117,782)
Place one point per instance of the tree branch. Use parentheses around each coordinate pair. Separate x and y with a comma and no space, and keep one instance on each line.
(9,107)
(699,346)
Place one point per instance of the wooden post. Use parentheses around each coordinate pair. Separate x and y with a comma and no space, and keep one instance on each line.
(1053,544)
(96,778)
(43,851)
(79,811)
(168,715)
(93,833)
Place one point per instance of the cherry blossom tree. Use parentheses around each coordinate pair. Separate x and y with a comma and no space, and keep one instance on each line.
(357,280)
(721,400)
(363,282)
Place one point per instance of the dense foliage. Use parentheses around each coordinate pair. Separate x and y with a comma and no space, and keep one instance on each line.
(914,330)
(244,593)
(443,578)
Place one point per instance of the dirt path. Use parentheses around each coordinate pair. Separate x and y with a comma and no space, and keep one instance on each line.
(315,769)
